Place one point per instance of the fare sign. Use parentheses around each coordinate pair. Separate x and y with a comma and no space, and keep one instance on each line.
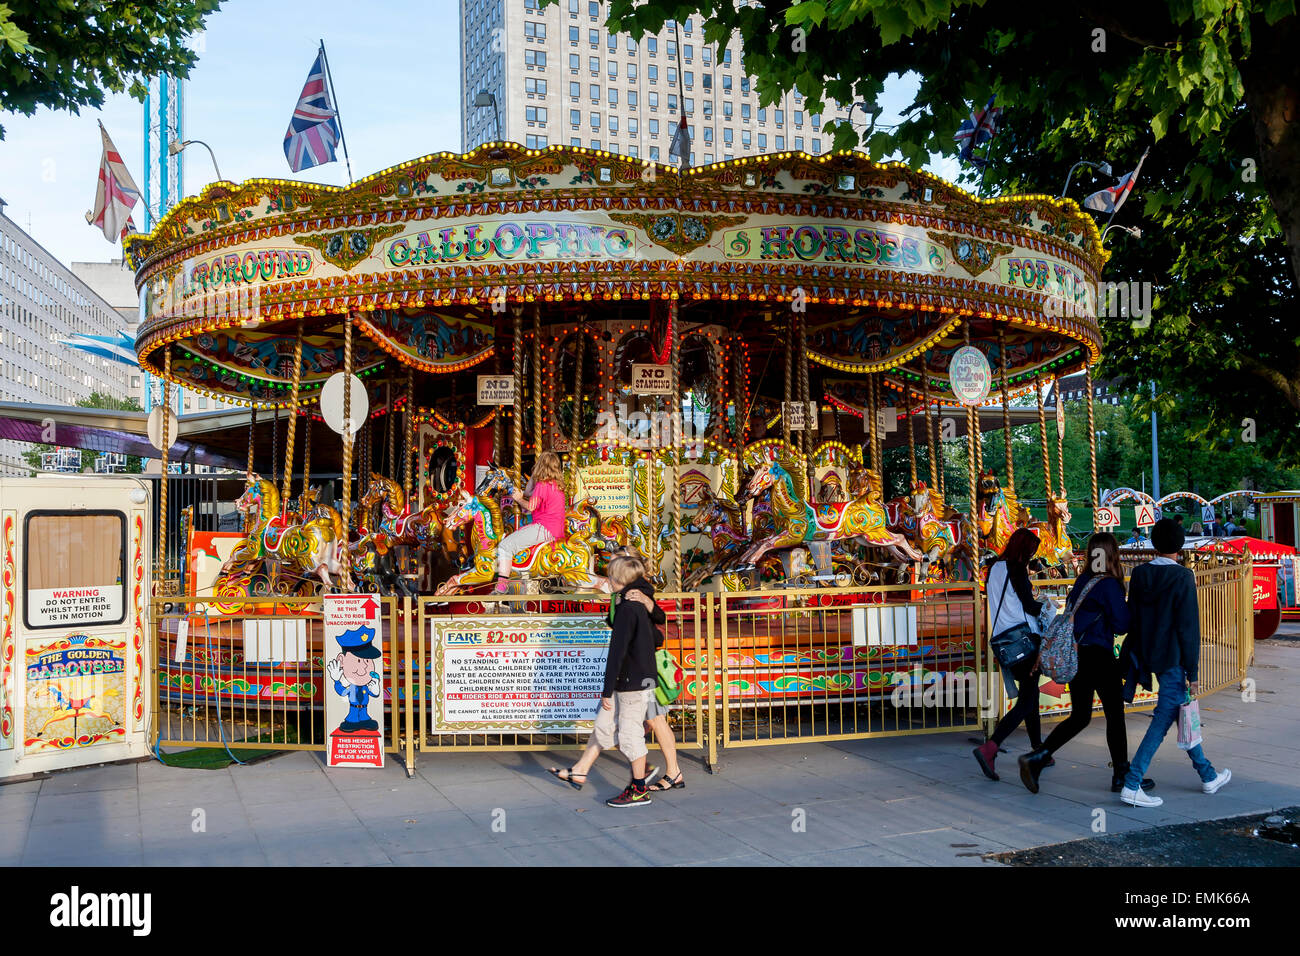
(970,375)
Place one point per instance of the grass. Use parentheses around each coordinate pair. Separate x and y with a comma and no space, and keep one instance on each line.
(216,758)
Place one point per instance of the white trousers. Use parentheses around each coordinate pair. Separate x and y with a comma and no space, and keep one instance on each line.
(521,540)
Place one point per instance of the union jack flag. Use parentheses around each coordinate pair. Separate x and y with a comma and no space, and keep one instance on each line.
(1110,199)
(314,129)
(978,130)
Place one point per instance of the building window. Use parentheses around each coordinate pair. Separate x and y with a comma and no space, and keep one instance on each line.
(744,111)
(744,84)
(593,10)
(575,118)
(593,38)
(573,8)
(652,73)
(744,138)
(534,30)
(670,49)
(575,90)
(762,114)
(534,86)
(613,96)
(726,57)
(654,127)
(611,42)
(613,124)
(575,63)
(690,105)
(726,135)
(780,143)
(672,76)
(708,134)
(593,64)
(535,114)
(690,78)
(595,121)
(631,71)
(654,152)
(632,151)
(536,142)
(613,70)
(574,141)
(653,99)
(594,92)
(631,125)
(573,36)
(535,58)
(631,100)
(798,143)
(779,116)
(595,143)
(762,141)
(631,46)
(706,80)
(672,102)
(817,146)
(816,120)
(687,52)
(652,45)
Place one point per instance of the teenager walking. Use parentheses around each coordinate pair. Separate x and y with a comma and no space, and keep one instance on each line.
(1100,613)
(628,689)
(1164,638)
(1012,608)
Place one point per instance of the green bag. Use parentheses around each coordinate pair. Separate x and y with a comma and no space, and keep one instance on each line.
(668,677)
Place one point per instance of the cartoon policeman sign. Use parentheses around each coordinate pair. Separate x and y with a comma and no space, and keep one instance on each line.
(354,667)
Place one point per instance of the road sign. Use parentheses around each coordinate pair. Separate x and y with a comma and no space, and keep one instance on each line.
(1144,516)
(1207,514)
(1106,517)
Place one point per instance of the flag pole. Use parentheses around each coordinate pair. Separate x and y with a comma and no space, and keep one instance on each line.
(338,113)
(988,150)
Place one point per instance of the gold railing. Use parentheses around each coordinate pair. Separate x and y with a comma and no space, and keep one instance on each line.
(762,667)
(843,663)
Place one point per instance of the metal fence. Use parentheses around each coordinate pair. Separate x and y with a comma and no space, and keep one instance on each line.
(760,668)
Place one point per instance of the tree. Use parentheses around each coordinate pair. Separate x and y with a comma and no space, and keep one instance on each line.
(1210,86)
(134,464)
(67,55)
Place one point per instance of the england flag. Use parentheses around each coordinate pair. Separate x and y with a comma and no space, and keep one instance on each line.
(116,194)
(1109,200)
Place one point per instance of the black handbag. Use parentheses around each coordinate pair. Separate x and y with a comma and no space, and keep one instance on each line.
(1015,643)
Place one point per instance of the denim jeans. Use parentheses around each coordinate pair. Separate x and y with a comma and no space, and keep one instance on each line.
(1171,695)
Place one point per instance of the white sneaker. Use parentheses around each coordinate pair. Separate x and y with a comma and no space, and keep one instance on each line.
(1217,783)
(1139,798)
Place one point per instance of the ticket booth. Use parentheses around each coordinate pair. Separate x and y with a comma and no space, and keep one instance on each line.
(76,571)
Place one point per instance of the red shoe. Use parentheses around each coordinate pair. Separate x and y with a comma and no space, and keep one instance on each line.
(632,796)
(985,754)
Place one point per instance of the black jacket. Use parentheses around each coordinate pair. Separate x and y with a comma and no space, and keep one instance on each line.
(1164,624)
(631,662)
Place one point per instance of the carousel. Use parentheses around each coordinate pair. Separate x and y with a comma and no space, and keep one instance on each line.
(719,356)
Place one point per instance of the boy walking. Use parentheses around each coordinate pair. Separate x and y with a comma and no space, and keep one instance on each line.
(1164,638)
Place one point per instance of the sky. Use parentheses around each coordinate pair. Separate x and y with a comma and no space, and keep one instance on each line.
(395,67)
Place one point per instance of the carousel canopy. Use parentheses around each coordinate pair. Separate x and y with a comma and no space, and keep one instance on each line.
(893,268)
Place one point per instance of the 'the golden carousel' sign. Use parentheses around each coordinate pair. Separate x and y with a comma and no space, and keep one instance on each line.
(421,257)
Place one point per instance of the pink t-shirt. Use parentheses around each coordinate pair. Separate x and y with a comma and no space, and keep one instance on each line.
(550,509)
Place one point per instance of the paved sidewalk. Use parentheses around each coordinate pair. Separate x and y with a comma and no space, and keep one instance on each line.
(895,801)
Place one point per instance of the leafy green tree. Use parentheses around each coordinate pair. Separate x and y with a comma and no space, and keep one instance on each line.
(68,54)
(1209,85)
(134,464)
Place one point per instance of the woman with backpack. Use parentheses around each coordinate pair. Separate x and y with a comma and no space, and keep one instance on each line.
(1100,612)
(1014,642)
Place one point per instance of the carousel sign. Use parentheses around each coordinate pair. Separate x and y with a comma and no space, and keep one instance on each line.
(504,241)
(970,374)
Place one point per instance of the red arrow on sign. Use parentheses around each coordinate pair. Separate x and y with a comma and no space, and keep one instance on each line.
(370,607)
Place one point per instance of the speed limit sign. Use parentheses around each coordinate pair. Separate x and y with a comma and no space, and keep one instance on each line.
(1106,517)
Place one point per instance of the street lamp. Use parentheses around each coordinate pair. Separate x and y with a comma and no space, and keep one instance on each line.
(1103,166)
(484,98)
(176,147)
(1133,231)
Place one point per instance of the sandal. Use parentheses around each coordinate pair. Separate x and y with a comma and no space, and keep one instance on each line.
(567,775)
(670,783)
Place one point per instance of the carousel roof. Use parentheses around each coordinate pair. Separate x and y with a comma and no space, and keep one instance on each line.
(892,267)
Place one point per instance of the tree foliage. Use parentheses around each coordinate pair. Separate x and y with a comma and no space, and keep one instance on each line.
(66,54)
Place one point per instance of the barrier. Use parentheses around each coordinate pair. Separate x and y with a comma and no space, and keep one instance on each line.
(760,668)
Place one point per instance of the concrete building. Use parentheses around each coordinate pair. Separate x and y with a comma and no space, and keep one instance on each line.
(41,302)
(560,78)
(1073,389)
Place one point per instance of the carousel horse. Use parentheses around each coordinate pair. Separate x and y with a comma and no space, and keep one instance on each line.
(797,522)
(933,527)
(724,521)
(78,708)
(398,525)
(999,513)
(570,560)
(305,549)
(1054,546)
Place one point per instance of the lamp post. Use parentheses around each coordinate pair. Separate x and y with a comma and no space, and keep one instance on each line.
(1133,231)
(1103,166)
(176,147)
(484,98)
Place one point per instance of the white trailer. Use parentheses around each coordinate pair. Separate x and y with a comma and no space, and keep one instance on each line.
(76,574)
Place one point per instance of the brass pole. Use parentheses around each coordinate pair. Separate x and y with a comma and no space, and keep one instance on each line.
(252,424)
(538,415)
(292,428)
(496,409)
(1006,412)
(870,412)
(306,451)
(390,455)
(1092,443)
(517,426)
(911,438)
(577,384)
(345,557)
(1042,436)
(675,358)
(972,464)
(789,378)
(929,434)
(162,485)
(805,396)
(1060,439)
(408,473)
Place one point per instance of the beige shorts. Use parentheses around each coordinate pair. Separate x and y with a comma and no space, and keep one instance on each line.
(628,718)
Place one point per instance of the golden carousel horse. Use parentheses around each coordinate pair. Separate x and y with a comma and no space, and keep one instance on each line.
(932,527)
(569,560)
(797,522)
(398,525)
(306,549)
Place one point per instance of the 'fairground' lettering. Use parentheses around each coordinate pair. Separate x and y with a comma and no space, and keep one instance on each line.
(263,265)
(479,242)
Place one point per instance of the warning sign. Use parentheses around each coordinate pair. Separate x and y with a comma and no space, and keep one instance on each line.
(58,607)
(496,390)
(650,379)
(1144,515)
(354,665)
